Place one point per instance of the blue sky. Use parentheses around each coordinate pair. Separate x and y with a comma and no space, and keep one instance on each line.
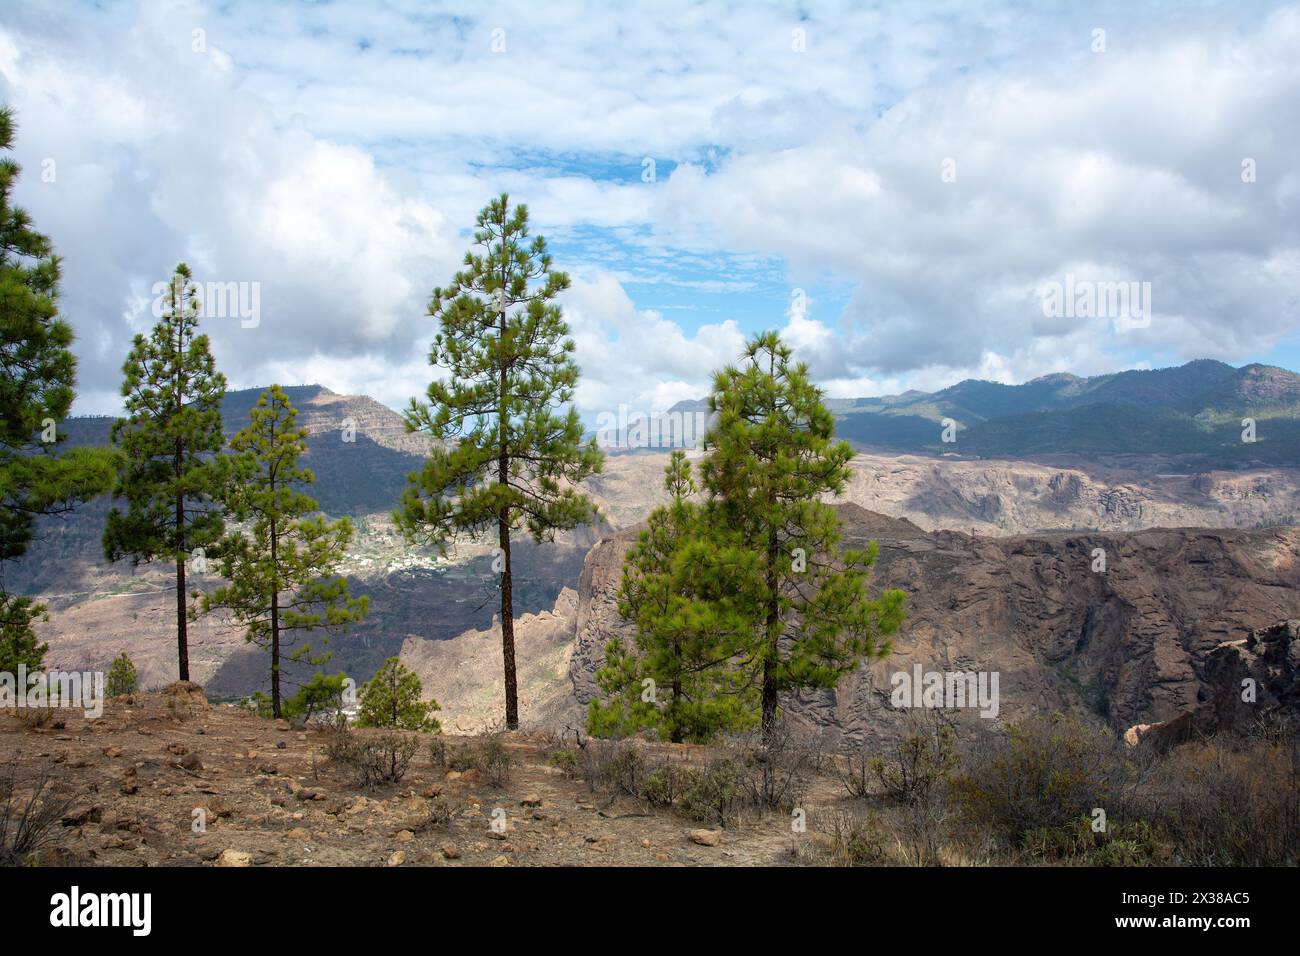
(915,174)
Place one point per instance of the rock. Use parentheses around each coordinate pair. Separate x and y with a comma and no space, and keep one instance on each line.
(130,781)
(450,851)
(530,800)
(397,859)
(706,837)
(191,762)
(112,752)
(404,836)
(500,861)
(234,858)
(298,833)
(215,807)
(186,694)
(81,814)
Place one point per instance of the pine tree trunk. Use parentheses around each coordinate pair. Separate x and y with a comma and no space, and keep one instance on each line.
(182,633)
(772,635)
(508,629)
(275,625)
(182,636)
(503,528)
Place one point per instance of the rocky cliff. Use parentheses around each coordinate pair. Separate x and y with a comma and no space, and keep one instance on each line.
(1135,643)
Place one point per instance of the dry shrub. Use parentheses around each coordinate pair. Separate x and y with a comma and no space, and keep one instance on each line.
(774,771)
(31,810)
(1227,802)
(612,768)
(1041,773)
(34,718)
(857,838)
(487,754)
(383,758)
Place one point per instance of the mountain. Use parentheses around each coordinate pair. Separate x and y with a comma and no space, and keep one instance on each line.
(359,450)
(1194,410)
(1138,643)
(98,609)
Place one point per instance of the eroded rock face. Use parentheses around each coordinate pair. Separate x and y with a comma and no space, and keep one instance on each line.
(464,674)
(1140,642)
(1246,680)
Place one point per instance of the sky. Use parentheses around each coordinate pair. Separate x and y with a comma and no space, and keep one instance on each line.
(896,188)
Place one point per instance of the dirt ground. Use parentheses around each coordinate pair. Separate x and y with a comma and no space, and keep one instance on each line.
(167,780)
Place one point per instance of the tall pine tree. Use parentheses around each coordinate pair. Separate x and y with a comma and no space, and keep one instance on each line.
(37,377)
(771,462)
(682,593)
(508,455)
(169,471)
(283,572)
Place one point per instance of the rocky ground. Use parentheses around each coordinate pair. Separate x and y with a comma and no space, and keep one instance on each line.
(139,777)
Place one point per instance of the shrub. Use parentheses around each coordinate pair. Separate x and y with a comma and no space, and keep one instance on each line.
(1131,843)
(122,679)
(492,760)
(438,752)
(1228,803)
(564,759)
(856,839)
(665,784)
(258,702)
(376,760)
(911,770)
(711,794)
(1042,773)
(392,699)
(34,717)
(612,767)
(31,811)
(773,772)
(487,755)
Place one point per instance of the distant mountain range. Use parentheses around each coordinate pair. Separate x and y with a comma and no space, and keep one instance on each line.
(1194,410)
(1191,410)
(359,449)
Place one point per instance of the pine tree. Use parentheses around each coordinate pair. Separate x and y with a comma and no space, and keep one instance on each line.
(169,469)
(37,379)
(771,462)
(681,591)
(506,456)
(122,678)
(392,699)
(283,571)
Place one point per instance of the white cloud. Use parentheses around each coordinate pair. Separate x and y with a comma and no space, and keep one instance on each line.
(336,154)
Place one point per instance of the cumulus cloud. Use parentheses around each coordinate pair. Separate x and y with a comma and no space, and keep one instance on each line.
(1125,166)
(938,163)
